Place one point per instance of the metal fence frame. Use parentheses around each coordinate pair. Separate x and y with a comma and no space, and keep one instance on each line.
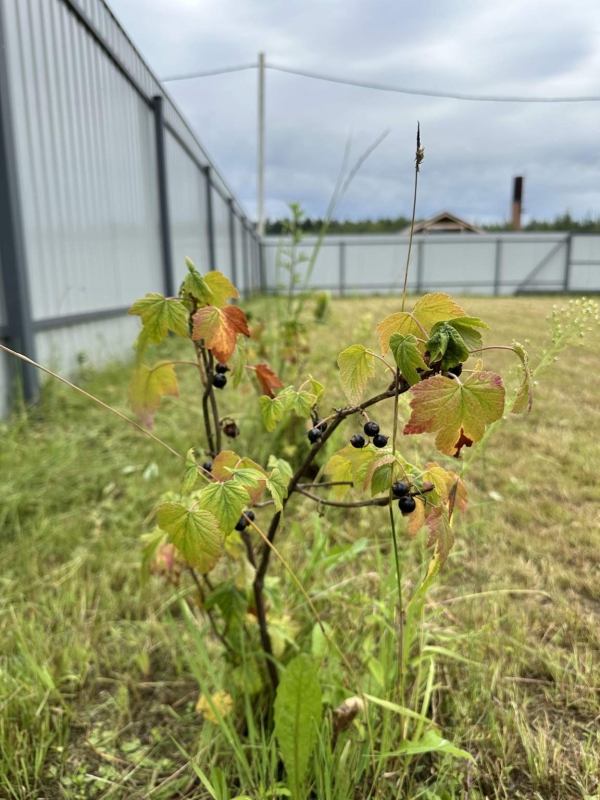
(526,284)
(20,330)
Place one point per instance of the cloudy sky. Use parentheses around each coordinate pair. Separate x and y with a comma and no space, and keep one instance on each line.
(517,47)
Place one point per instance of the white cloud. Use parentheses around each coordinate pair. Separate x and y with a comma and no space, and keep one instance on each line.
(472,149)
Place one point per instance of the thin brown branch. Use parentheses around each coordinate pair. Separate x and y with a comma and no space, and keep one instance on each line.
(201,356)
(213,400)
(324,484)
(378,501)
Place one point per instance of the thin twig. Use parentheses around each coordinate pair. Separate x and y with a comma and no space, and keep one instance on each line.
(91,397)
(379,501)
(418,159)
(208,612)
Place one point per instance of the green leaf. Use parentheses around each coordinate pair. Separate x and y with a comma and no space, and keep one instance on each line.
(457,412)
(298,714)
(272,411)
(431,308)
(247,476)
(405,350)
(430,742)
(195,285)
(316,388)
(446,345)
(221,288)
(301,403)
(466,327)
(148,387)
(339,468)
(191,472)
(161,315)
(194,533)
(524,398)
(277,486)
(284,467)
(226,502)
(356,365)
(389,706)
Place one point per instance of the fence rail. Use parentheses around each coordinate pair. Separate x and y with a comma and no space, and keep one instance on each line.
(104,189)
(498,264)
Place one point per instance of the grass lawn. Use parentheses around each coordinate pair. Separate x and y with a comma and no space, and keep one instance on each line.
(99,674)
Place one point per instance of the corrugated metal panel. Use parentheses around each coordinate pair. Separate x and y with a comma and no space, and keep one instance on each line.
(187,209)
(585,271)
(221,228)
(87,165)
(93,343)
(239,254)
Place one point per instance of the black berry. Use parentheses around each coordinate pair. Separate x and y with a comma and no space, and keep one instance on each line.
(242,524)
(456,370)
(400,489)
(219,381)
(221,369)
(357,441)
(322,426)
(207,466)
(314,435)
(407,505)
(250,514)
(371,428)
(380,440)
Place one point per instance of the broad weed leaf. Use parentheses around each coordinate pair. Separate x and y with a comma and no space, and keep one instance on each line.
(298,714)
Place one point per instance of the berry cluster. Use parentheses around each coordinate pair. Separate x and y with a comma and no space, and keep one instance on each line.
(219,380)
(406,502)
(371,430)
(243,523)
(315,433)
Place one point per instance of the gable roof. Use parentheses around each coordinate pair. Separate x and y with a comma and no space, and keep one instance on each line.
(444,222)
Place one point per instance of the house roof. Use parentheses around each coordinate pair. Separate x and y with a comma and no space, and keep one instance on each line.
(444,222)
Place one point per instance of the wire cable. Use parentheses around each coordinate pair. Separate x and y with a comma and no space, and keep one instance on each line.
(384,87)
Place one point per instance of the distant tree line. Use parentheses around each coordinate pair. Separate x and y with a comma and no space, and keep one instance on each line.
(563,222)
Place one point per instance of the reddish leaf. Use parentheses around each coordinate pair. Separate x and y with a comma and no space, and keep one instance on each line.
(457,412)
(441,534)
(269,382)
(226,460)
(219,328)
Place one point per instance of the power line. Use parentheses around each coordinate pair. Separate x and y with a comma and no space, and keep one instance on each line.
(383,87)
(186,76)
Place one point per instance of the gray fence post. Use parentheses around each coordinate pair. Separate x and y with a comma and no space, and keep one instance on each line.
(163,196)
(497,266)
(232,247)
(420,265)
(210,223)
(13,258)
(567,278)
(342,268)
(246,265)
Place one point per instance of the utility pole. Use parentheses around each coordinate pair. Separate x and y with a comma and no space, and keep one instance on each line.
(261,144)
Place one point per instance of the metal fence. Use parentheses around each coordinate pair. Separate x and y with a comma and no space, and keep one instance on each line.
(104,189)
(498,264)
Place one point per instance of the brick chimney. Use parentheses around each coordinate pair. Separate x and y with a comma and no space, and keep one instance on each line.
(517,203)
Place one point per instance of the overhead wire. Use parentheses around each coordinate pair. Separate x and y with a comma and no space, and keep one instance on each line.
(384,87)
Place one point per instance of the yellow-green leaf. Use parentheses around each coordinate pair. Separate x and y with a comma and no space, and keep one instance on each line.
(431,308)
(222,289)
(148,387)
(237,362)
(356,365)
(226,502)
(524,398)
(405,350)
(457,412)
(161,315)
(277,486)
(339,469)
(191,472)
(272,411)
(194,533)
(195,285)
